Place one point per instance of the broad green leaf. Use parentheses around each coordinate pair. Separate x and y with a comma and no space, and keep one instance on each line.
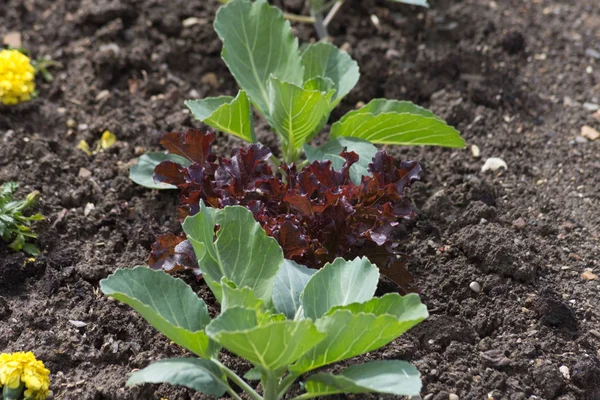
(337,284)
(348,335)
(289,284)
(227,114)
(194,373)
(242,251)
(355,329)
(271,346)
(238,297)
(258,42)
(142,173)
(234,319)
(407,309)
(331,151)
(387,376)
(381,106)
(167,303)
(325,60)
(295,113)
(396,122)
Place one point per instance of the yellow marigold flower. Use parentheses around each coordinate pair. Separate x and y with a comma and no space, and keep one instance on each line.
(21,367)
(17,75)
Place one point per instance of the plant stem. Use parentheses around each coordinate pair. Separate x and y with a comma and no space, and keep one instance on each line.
(285,384)
(270,387)
(237,380)
(336,7)
(233,394)
(306,396)
(303,164)
(299,18)
(320,27)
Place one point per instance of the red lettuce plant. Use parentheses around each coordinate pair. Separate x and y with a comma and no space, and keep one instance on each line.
(315,213)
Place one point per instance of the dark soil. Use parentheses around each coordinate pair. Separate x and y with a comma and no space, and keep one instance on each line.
(512,75)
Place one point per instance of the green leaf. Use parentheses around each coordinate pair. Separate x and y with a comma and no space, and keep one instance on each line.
(397,122)
(253,374)
(348,335)
(295,113)
(321,84)
(258,42)
(142,173)
(238,297)
(227,114)
(325,60)
(242,251)
(407,309)
(388,376)
(355,329)
(167,303)
(201,375)
(337,284)
(289,284)
(272,345)
(331,151)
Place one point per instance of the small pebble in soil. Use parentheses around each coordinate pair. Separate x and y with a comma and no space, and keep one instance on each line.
(453,396)
(88,209)
(519,224)
(589,275)
(475,151)
(474,286)
(71,123)
(589,133)
(591,106)
(493,164)
(580,139)
(564,370)
(84,173)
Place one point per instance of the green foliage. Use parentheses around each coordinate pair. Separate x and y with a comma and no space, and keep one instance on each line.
(142,172)
(15,228)
(283,318)
(296,91)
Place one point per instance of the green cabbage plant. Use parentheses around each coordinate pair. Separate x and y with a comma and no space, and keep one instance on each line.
(285,319)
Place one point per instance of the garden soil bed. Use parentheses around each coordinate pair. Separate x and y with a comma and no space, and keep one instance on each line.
(513,76)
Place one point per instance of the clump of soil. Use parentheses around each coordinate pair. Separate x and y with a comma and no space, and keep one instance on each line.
(518,79)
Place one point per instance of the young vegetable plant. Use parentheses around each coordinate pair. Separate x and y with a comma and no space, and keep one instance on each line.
(14,226)
(285,319)
(316,213)
(297,90)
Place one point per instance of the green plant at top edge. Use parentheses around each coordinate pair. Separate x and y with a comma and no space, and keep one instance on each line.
(15,228)
(296,90)
(285,319)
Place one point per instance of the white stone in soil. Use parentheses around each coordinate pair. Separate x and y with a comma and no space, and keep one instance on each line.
(493,164)
(564,370)
(476,287)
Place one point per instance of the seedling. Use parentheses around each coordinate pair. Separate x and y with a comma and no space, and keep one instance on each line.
(285,319)
(297,90)
(14,226)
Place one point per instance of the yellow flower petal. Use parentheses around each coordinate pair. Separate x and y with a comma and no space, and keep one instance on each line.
(85,147)
(17,77)
(108,139)
(20,367)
